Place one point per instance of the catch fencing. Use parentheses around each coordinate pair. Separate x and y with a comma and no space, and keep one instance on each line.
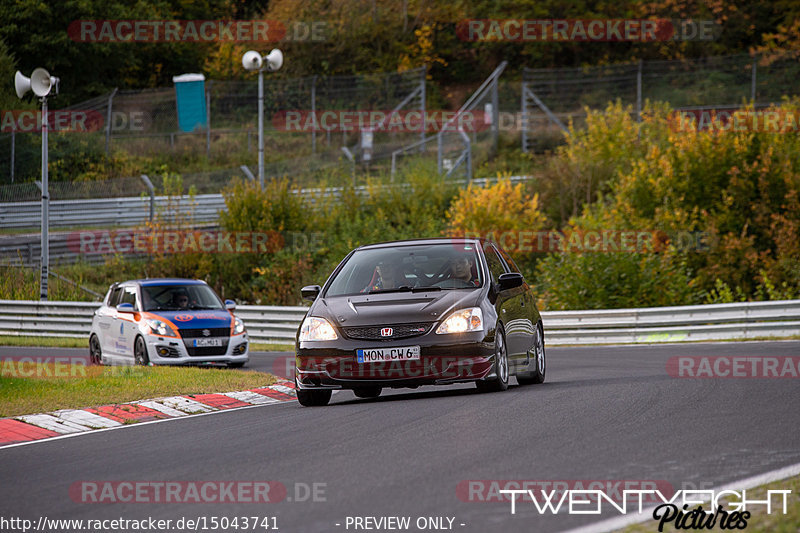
(145,122)
(278,324)
(552,98)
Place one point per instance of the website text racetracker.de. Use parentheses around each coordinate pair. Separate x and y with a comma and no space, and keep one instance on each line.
(199,523)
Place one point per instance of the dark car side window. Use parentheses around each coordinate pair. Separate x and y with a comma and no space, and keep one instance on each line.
(509,262)
(493,260)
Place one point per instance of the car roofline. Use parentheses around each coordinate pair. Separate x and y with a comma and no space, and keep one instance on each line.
(430,241)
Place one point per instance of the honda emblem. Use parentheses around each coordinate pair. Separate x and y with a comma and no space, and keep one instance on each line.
(386,332)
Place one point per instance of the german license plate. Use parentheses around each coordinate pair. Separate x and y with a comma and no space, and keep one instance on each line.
(380,355)
(200,343)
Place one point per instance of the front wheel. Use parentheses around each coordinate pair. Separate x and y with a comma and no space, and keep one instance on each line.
(236,365)
(140,357)
(313,398)
(95,353)
(500,382)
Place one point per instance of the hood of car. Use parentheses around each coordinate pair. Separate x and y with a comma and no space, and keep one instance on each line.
(393,308)
(197,318)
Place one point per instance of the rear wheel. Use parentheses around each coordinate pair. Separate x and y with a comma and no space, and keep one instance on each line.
(368,392)
(500,382)
(140,356)
(95,353)
(313,398)
(537,376)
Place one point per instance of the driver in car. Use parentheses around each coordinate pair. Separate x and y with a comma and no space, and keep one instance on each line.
(461,269)
(180,299)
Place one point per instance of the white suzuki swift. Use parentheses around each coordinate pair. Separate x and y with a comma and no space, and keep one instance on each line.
(167,322)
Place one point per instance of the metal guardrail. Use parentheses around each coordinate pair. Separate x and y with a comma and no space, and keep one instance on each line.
(277,325)
(135,210)
(112,212)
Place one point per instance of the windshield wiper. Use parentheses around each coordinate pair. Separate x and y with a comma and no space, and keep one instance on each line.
(404,288)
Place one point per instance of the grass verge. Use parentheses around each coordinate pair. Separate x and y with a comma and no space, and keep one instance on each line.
(36,388)
(70,342)
(760,521)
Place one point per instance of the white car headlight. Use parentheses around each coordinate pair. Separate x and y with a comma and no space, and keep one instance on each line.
(462,320)
(157,327)
(238,326)
(317,329)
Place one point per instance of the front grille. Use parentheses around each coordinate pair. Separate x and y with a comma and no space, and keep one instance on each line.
(399,331)
(213,332)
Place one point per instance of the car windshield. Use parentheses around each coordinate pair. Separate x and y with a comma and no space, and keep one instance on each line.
(177,297)
(409,268)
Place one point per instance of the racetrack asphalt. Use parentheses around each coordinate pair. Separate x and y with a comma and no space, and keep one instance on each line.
(605,413)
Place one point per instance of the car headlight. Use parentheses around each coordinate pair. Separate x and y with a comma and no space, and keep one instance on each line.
(157,327)
(317,329)
(462,320)
(238,326)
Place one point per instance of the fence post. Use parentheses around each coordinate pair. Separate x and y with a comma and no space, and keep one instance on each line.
(13,146)
(423,103)
(753,81)
(152,189)
(524,118)
(314,114)
(639,93)
(208,120)
(439,152)
(108,120)
(495,115)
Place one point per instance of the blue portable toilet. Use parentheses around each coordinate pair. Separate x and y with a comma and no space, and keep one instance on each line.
(190,94)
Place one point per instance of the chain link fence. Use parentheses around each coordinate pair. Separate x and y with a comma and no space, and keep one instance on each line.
(145,122)
(552,98)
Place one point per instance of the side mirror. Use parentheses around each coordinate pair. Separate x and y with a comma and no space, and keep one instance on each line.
(125,308)
(230,305)
(310,292)
(510,280)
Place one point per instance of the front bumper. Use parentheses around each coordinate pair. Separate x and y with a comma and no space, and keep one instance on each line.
(443,360)
(173,351)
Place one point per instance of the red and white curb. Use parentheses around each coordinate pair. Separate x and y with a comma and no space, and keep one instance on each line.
(28,428)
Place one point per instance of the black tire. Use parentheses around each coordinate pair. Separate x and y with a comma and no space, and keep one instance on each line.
(140,357)
(313,398)
(368,392)
(95,352)
(538,375)
(500,382)
(235,365)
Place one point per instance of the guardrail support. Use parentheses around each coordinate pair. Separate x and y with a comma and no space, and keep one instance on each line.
(247,172)
(152,190)
(108,120)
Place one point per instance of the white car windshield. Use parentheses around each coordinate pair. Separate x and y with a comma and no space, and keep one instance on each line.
(176,297)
